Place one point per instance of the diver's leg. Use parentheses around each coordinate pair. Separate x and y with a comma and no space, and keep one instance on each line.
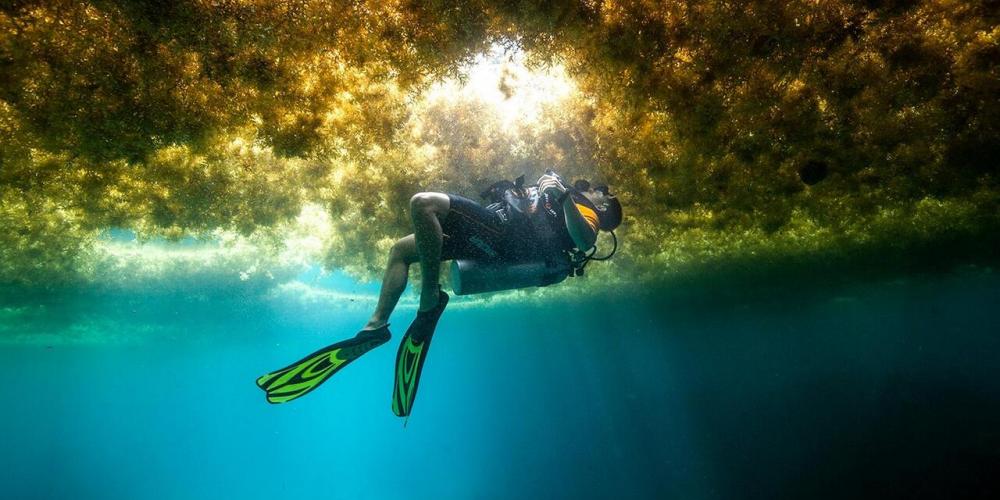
(426,209)
(403,253)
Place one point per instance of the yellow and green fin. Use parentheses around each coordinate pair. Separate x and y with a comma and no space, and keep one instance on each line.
(411,355)
(301,377)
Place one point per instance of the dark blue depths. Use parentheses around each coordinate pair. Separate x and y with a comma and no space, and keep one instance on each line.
(888,390)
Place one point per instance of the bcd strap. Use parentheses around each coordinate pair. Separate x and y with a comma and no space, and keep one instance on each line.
(494,193)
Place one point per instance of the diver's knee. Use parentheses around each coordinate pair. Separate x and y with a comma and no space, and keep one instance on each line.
(424,202)
(428,204)
(418,202)
(404,250)
(397,252)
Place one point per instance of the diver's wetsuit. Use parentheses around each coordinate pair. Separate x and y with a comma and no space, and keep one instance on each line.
(472,231)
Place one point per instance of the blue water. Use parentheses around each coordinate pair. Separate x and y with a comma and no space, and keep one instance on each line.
(886,389)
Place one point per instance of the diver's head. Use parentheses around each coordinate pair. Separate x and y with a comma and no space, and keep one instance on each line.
(609,209)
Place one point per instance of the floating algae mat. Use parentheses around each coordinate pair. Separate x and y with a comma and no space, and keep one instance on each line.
(802,303)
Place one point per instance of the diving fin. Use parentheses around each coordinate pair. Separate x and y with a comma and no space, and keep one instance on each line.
(297,379)
(411,355)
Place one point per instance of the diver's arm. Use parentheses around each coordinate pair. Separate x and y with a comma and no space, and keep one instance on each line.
(579,229)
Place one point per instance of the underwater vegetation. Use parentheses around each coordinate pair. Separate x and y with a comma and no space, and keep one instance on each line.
(834,137)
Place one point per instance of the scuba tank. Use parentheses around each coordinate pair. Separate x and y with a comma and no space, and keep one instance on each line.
(469,276)
(473,276)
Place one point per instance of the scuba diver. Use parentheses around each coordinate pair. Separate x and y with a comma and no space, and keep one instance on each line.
(527,236)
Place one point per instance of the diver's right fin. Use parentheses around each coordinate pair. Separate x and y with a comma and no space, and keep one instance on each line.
(411,355)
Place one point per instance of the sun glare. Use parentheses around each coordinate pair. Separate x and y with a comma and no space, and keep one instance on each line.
(501,79)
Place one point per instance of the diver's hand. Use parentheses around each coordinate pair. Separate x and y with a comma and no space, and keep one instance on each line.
(550,182)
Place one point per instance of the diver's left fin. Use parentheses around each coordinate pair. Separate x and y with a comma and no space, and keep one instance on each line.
(306,374)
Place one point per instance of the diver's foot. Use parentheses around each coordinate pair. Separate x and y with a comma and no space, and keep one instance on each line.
(381,333)
(429,299)
(374,325)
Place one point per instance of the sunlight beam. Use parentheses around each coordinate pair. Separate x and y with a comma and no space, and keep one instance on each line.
(501,79)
